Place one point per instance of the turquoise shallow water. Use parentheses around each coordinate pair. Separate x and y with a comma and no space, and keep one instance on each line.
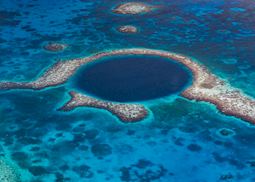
(181,141)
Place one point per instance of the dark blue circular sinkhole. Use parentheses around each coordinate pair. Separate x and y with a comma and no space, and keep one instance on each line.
(132,78)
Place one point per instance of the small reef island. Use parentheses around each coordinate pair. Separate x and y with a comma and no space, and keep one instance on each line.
(133,8)
(127,29)
(205,87)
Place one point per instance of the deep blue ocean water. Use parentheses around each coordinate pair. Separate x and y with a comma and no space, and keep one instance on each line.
(132,78)
(180,142)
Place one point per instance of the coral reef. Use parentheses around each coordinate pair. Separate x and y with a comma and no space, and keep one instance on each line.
(205,87)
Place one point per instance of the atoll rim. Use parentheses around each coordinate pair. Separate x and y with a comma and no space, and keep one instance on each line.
(205,85)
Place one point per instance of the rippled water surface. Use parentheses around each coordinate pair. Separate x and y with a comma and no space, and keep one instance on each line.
(182,141)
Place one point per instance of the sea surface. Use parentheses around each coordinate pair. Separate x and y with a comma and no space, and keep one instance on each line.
(181,141)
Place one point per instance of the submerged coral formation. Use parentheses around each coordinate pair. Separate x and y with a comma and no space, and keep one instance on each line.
(7,172)
(55,47)
(205,87)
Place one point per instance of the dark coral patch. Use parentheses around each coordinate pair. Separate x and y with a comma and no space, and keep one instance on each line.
(143,170)
(251,163)
(8,18)
(226,177)
(38,170)
(101,150)
(84,171)
(225,132)
(194,147)
(79,128)
(229,159)
(91,134)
